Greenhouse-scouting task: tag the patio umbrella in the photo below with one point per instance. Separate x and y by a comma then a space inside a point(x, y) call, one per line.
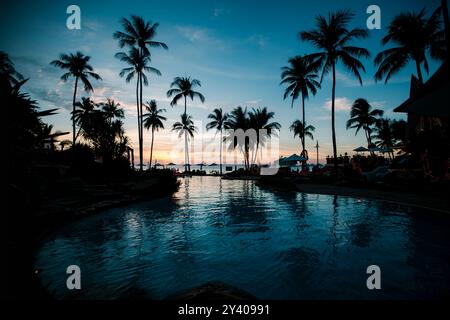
point(213, 164)
point(171, 164)
point(361, 149)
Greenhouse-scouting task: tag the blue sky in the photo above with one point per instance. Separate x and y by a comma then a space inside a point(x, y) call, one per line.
point(235, 48)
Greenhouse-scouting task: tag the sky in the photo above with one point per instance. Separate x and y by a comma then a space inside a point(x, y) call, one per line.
point(235, 48)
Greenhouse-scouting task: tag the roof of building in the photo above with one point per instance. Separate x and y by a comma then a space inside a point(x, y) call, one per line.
point(430, 99)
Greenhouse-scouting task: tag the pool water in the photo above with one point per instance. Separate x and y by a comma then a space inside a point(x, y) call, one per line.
point(272, 244)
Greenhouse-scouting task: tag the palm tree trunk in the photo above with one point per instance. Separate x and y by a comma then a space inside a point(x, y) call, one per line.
point(220, 152)
point(74, 137)
point(138, 113)
point(186, 156)
point(303, 133)
point(333, 129)
point(368, 140)
point(151, 147)
point(419, 72)
point(141, 149)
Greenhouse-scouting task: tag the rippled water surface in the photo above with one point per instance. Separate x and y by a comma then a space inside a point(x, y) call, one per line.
point(274, 245)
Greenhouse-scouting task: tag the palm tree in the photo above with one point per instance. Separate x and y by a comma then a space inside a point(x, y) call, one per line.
point(384, 134)
point(112, 110)
point(259, 120)
point(77, 66)
point(183, 87)
point(219, 121)
point(298, 128)
point(138, 64)
point(140, 33)
point(186, 127)
point(332, 37)
point(7, 69)
point(413, 36)
point(152, 119)
point(301, 78)
point(363, 117)
point(82, 114)
point(238, 120)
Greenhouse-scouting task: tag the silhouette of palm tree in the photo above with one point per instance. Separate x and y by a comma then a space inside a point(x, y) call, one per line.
point(153, 120)
point(82, 114)
point(413, 36)
point(112, 110)
point(219, 121)
point(184, 87)
point(77, 66)
point(8, 71)
point(297, 127)
point(138, 65)
point(301, 78)
point(363, 117)
point(259, 119)
point(332, 37)
point(140, 33)
point(186, 127)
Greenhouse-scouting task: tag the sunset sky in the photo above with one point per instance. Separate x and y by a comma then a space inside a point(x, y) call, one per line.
point(235, 48)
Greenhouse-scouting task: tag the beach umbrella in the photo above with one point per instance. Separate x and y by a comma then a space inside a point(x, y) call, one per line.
point(171, 164)
point(361, 149)
point(213, 164)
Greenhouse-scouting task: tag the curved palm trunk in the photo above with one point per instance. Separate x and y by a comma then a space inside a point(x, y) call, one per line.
point(303, 133)
point(369, 142)
point(74, 135)
point(141, 149)
point(151, 147)
point(138, 114)
point(333, 129)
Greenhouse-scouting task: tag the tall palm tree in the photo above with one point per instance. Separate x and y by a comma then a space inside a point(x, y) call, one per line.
point(260, 120)
point(183, 87)
point(138, 64)
point(219, 121)
point(301, 79)
point(139, 33)
point(153, 120)
point(297, 127)
point(332, 38)
point(363, 117)
point(7, 69)
point(77, 66)
point(414, 36)
point(112, 110)
point(83, 114)
point(186, 127)
point(238, 120)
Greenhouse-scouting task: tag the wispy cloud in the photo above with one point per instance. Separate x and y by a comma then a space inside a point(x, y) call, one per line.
point(340, 104)
point(217, 12)
point(199, 35)
point(258, 39)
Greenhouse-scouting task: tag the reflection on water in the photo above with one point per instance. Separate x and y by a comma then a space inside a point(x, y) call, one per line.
point(275, 245)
